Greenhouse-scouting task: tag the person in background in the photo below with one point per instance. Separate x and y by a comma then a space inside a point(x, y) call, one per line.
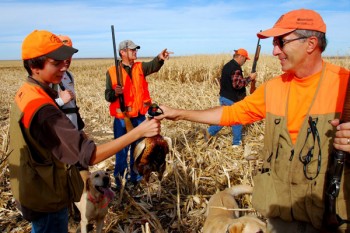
point(232, 89)
point(66, 91)
point(137, 100)
point(301, 108)
point(45, 143)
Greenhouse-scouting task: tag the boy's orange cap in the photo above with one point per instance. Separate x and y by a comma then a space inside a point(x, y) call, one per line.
point(293, 20)
point(242, 52)
point(42, 42)
point(66, 40)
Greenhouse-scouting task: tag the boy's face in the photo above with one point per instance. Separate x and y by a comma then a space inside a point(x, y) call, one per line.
point(51, 73)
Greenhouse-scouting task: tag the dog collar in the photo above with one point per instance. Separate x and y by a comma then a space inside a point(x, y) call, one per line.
point(99, 200)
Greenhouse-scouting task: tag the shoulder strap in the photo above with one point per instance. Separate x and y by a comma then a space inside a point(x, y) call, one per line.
point(70, 76)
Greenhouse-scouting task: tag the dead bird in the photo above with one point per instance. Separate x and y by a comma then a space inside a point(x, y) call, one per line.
point(150, 153)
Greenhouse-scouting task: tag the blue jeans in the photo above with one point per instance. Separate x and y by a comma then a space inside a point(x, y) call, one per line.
point(121, 163)
point(236, 129)
point(56, 222)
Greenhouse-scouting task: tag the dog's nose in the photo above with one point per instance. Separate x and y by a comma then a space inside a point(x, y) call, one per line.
point(106, 181)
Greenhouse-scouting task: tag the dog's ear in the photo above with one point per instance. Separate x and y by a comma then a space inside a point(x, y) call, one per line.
point(236, 228)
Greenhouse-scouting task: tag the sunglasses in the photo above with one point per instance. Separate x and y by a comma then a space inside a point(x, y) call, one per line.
point(282, 42)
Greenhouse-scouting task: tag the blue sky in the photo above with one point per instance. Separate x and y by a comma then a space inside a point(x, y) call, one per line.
point(184, 27)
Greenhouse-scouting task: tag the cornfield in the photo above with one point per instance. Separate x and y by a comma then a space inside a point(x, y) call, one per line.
point(196, 168)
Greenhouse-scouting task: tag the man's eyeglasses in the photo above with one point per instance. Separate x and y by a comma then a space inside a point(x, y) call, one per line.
point(282, 42)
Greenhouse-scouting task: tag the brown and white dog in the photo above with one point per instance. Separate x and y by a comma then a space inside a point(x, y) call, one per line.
point(222, 217)
point(93, 204)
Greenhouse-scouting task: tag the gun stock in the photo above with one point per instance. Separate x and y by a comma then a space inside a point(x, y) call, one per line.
point(336, 159)
point(117, 70)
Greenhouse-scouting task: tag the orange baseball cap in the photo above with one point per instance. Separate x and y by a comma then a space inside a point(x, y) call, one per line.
point(41, 42)
point(293, 20)
point(66, 40)
point(242, 52)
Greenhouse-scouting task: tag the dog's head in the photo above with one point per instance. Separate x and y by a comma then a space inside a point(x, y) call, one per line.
point(99, 183)
point(247, 224)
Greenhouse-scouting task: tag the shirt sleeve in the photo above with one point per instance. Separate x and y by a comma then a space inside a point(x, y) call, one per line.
point(152, 66)
point(55, 132)
point(109, 91)
point(238, 81)
point(250, 109)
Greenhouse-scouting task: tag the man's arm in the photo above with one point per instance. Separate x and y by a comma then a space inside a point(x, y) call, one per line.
point(152, 66)
point(147, 128)
point(252, 108)
point(65, 142)
point(110, 95)
point(210, 116)
point(157, 62)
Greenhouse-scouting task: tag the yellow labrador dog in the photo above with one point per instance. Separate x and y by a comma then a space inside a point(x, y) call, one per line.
point(222, 217)
point(93, 204)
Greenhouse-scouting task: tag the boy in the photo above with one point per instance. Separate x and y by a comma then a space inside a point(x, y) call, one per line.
point(44, 141)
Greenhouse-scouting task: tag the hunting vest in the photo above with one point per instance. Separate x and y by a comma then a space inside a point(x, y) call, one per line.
point(38, 180)
point(292, 179)
point(135, 90)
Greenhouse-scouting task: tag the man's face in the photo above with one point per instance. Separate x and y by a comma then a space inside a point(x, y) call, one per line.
point(240, 59)
point(67, 62)
point(130, 54)
point(243, 59)
point(51, 73)
point(291, 51)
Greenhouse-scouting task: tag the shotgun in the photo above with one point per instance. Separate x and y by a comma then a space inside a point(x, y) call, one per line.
point(117, 67)
point(334, 172)
point(128, 124)
point(255, 62)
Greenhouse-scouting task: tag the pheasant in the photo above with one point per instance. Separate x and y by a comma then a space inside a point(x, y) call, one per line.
point(150, 152)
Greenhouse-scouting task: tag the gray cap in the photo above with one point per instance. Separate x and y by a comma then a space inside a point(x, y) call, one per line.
point(128, 44)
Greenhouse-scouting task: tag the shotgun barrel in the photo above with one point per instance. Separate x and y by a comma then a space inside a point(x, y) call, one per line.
point(256, 56)
point(117, 70)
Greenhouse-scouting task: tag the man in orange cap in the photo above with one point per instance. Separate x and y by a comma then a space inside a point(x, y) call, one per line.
point(45, 144)
point(300, 108)
point(232, 89)
point(66, 91)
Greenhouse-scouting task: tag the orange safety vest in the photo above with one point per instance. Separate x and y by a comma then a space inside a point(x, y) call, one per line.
point(136, 95)
point(29, 99)
point(38, 180)
point(288, 187)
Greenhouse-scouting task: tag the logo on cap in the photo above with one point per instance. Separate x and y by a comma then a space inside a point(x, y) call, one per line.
point(303, 19)
point(42, 42)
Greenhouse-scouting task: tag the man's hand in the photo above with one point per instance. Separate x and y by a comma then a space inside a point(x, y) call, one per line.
point(168, 113)
point(342, 136)
point(66, 96)
point(149, 128)
point(164, 55)
point(118, 90)
point(253, 76)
